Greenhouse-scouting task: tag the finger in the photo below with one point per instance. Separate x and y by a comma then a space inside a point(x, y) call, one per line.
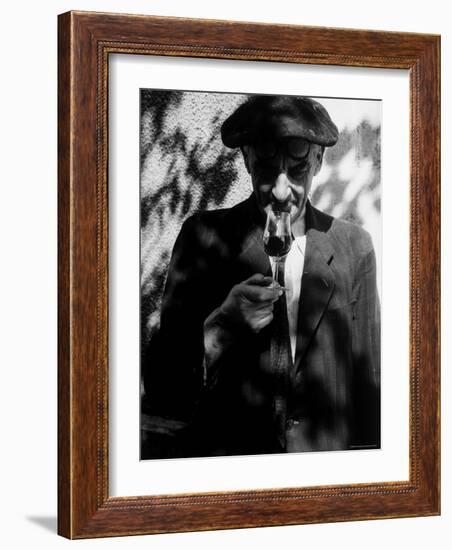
point(261, 294)
point(262, 307)
point(263, 322)
point(259, 279)
point(277, 286)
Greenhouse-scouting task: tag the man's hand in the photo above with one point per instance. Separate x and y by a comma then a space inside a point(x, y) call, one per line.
point(250, 303)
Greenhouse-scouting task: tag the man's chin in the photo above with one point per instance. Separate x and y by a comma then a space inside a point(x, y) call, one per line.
point(297, 213)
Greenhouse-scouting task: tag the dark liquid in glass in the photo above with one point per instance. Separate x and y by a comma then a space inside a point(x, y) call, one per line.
point(277, 246)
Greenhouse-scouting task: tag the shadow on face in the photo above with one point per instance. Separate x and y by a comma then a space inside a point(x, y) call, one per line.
point(279, 176)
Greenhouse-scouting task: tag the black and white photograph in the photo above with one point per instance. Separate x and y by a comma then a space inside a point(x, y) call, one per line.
point(260, 274)
point(225, 228)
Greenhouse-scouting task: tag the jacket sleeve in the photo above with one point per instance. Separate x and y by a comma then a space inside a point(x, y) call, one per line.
point(366, 355)
point(173, 369)
point(185, 357)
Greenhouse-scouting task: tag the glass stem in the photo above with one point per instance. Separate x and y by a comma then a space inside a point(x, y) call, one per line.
point(276, 270)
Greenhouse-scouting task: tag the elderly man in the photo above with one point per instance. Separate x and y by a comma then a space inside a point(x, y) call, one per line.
point(243, 365)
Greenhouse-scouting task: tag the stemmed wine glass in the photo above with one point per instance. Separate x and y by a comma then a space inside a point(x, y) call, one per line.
point(277, 238)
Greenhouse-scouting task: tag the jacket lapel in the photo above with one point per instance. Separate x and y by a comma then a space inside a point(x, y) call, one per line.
point(317, 286)
point(252, 255)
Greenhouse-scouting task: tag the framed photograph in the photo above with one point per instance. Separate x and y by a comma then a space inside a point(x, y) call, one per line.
point(248, 275)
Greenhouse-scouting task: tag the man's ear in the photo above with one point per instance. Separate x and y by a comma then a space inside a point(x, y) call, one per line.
point(246, 159)
point(319, 160)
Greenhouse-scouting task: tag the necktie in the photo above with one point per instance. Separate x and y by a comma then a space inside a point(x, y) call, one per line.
point(281, 360)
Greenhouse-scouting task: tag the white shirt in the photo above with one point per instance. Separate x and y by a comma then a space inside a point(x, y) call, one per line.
point(293, 272)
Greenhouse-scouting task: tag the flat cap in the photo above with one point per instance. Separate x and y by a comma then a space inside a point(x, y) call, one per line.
point(264, 116)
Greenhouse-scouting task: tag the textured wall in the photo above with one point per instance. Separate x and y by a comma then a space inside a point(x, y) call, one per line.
point(186, 168)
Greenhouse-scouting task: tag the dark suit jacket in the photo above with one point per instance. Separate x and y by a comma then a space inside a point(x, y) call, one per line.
point(334, 383)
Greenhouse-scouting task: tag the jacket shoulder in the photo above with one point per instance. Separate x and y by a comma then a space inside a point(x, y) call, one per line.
point(218, 231)
point(353, 236)
point(231, 217)
point(345, 233)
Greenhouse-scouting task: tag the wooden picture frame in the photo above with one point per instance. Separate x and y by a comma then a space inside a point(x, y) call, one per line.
point(85, 42)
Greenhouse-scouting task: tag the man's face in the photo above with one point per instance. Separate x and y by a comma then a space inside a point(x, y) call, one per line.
point(282, 171)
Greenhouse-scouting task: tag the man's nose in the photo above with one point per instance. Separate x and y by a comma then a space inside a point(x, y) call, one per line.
point(281, 189)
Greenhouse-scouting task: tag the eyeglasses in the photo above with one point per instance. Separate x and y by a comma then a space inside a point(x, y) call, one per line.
point(295, 148)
